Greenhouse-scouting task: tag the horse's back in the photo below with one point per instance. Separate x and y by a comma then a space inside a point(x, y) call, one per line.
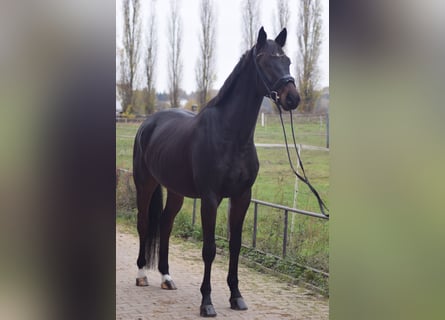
point(169, 114)
point(164, 142)
point(169, 119)
point(163, 117)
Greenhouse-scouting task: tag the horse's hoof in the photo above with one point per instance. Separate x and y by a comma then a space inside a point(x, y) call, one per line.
point(207, 311)
point(238, 304)
point(142, 282)
point(168, 285)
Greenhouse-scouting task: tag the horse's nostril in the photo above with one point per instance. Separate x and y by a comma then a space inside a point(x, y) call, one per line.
point(292, 101)
point(289, 100)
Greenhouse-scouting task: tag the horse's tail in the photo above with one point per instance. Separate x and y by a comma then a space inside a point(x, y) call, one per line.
point(154, 219)
point(139, 169)
point(140, 175)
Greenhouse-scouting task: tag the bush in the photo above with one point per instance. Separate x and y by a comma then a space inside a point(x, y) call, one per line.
point(125, 190)
point(183, 227)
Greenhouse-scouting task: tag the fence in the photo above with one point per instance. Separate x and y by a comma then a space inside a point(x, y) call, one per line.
point(316, 126)
point(269, 238)
point(136, 119)
point(285, 229)
point(272, 233)
point(317, 135)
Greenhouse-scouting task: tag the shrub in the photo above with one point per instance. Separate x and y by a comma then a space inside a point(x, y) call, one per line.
point(125, 190)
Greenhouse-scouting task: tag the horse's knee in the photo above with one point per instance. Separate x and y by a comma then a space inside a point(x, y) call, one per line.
point(208, 252)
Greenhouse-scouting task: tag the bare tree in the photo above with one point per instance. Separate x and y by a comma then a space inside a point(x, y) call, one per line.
point(205, 66)
point(283, 15)
point(130, 53)
point(309, 43)
point(251, 22)
point(150, 60)
point(175, 62)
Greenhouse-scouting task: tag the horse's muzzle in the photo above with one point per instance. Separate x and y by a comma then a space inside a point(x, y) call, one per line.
point(292, 101)
point(289, 98)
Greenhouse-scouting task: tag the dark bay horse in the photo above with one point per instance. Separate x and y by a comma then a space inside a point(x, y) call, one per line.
point(210, 156)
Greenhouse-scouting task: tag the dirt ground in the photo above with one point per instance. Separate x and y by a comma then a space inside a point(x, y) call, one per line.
point(265, 295)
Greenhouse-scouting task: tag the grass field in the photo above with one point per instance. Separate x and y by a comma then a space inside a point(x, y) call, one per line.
point(308, 238)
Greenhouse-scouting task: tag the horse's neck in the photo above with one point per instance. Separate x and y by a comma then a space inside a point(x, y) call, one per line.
point(240, 111)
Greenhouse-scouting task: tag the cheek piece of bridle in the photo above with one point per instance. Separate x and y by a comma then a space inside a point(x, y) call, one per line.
point(272, 93)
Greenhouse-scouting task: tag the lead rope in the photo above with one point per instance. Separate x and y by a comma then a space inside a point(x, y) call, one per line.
point(303, 178)
point(272, 94)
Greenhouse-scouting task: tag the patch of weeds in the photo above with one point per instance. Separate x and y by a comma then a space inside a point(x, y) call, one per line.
point(183, 228)
point(126, 217)
point(288, 267)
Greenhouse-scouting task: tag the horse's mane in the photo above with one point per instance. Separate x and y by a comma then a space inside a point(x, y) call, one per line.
point(230, 81)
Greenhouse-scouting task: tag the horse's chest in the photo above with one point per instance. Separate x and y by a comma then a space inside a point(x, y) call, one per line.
point(240, 173)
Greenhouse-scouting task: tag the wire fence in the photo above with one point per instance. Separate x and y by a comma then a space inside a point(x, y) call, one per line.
point(279, 233)
point(311, 129)
point(273, 229)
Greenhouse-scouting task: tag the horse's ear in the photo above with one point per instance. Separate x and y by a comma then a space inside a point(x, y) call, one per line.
point(281, 38)
point(262, 37)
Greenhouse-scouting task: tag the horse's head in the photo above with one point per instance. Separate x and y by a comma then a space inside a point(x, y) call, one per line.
point(272, 66)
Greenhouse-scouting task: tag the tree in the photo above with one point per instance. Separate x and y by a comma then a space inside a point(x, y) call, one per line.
point(283, 15)
point(205, 66)
point(175, 62)
point(251, 22)
point(309, 43)
point(130, 53)
point(150, 60)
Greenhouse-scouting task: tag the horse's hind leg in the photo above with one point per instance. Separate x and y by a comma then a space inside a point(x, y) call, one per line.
point(172, 207)
point(144, 192)
point(238, 209)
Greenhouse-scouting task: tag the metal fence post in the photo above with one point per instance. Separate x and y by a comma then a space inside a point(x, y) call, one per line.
point(327, 129)
point(255, 218)
point(228, 219)
point(194, 212)
point(285, 233)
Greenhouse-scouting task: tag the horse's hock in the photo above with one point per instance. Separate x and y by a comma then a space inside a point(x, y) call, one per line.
point(267, 297)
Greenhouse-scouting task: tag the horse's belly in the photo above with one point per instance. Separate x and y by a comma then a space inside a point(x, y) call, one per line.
point(175, 174)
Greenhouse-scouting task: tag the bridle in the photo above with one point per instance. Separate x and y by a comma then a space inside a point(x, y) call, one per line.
point(272, 93)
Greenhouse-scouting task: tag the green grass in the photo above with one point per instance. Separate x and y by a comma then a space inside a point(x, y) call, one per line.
point(307, 239)
point(310, 131)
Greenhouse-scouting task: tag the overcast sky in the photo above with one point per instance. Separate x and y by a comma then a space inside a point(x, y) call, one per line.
point(228, 38)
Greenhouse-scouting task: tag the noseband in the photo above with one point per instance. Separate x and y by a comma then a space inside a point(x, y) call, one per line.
point(272, 91)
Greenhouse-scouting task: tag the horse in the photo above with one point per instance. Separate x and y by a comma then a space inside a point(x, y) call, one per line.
point(209, 155)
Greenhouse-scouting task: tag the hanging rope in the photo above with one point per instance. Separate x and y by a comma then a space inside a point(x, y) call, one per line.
point(272, 93)
point(303, 177)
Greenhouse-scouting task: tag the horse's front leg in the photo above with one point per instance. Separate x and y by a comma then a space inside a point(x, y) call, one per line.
point(209, 207)
point(172, 207)
point(238, 209)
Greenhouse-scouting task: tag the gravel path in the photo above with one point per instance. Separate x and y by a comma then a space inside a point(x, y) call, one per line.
point(267, 297)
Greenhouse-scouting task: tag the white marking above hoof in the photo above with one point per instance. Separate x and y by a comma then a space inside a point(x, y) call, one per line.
point(141, 273)
point(167, 282)
point(166, 277)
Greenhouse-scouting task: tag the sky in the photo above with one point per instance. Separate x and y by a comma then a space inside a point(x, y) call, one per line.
point(228, 38)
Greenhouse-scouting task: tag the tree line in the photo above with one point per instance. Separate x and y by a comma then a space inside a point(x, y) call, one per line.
point(133, 56)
